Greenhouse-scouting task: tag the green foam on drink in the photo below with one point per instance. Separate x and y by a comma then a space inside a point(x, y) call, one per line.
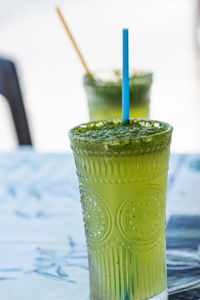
point(136, 135)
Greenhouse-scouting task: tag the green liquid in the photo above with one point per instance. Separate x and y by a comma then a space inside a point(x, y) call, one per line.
point(114, 112)
point(104, 95)
point(122, 172)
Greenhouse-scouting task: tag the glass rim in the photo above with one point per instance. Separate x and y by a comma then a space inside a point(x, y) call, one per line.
point(168, 130)
point(127, 146)
point(138, 77)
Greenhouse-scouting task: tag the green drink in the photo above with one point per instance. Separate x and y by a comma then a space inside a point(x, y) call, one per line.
point(104, 94)
point(122, 172)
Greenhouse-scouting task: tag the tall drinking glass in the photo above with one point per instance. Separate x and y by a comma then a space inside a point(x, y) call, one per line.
point(104, 94)
point(122, 172)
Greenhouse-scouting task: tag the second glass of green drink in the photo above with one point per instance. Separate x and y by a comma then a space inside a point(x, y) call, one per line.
point(122, 172)
point(104, 93)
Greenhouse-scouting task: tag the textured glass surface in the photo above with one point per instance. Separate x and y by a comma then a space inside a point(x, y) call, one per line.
point(123, 203)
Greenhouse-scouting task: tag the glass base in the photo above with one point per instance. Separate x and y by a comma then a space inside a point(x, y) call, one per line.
point(162, 296)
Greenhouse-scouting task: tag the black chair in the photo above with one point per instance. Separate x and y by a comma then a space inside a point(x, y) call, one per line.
point(10, 89)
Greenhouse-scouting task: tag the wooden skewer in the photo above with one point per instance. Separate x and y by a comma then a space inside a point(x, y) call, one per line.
point(73, 42)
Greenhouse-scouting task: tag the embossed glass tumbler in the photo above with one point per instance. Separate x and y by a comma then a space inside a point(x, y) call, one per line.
point(122, 172)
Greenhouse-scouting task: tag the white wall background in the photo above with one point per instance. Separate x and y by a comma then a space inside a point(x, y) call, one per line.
point(162, 39)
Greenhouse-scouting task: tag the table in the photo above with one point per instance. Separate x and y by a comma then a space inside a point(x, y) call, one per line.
point(42, 248)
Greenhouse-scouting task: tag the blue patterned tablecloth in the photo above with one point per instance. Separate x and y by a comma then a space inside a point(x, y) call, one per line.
point(42, 247)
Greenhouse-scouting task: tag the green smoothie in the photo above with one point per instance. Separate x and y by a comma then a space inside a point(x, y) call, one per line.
point(104, 94)
point(122, 172)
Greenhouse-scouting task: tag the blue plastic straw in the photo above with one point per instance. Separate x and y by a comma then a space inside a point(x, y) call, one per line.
point(125, 78)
